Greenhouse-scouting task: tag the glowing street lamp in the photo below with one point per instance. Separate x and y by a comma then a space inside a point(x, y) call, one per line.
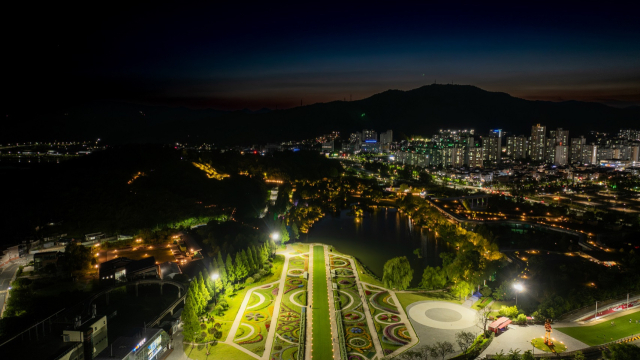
point(519, 288)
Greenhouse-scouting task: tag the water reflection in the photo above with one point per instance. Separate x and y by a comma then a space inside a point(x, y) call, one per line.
point(378, 237)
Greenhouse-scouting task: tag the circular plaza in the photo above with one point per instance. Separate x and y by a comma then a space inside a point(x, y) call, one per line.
point(442, 315)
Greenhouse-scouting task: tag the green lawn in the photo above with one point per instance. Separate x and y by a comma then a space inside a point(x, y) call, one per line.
point(322, 347)
point(407, 299)
point(217, 351)
point(481, 303)
point(604, 332)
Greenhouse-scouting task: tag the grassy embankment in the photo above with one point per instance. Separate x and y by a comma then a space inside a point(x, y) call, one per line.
point(322, 347)
point(604, 332)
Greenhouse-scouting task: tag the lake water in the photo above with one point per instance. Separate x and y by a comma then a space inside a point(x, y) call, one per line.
point(378, 237)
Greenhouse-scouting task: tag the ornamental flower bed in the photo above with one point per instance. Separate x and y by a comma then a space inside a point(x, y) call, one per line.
point(377, 299)
point(274, 292)
point(389, 334)
point(252, 341)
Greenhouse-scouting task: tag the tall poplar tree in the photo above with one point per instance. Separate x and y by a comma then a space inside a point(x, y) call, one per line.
point(240, 267)
point(250, 262)
point(231, 271)
point(190, 327)
point(204, 293)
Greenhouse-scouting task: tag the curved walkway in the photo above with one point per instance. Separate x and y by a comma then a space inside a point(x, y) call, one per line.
point(443, 315)
point(248, 335)
point(262, 299)
point(346, 307)
point(293, 300)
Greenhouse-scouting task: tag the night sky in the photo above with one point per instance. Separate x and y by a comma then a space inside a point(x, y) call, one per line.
point(275, 55)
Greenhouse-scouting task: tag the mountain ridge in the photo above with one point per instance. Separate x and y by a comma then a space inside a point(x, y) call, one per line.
point(420, 111)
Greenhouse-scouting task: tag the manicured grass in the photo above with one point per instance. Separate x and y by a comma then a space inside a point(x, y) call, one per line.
point(364, 277)
point(407, 299)
point(558, 347)
point(481, 303)
point(217, 351)
point(303, 248)
point(322, 347)
point(604, 332)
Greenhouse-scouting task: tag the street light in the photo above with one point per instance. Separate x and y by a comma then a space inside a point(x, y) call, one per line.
point(519, 288)
point(214, 277)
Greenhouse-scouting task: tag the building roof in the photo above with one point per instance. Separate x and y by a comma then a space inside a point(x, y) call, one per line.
point(115, 264)
point(141, 265)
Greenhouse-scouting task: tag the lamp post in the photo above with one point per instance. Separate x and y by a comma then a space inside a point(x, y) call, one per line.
point(518, 288)
point(214, 277)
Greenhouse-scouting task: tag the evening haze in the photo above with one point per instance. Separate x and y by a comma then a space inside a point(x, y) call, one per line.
point(279, 56)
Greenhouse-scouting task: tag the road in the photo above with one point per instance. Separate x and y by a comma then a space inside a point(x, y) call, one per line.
point(6, 274)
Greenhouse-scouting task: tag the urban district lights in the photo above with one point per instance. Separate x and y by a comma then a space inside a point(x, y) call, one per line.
point(519, 288)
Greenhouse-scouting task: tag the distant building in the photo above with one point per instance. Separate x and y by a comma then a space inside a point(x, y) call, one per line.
point(94, 236)
point(146, 344)
point(517, 147)
point(369, 136)
point(328, 147)
point(42, 259)
point(577, 145)
point(91, 338)
point(537, 144)
point(124, 269)
point(492, 147)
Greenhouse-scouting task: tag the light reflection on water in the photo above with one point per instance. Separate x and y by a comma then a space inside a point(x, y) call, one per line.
point(378, 237)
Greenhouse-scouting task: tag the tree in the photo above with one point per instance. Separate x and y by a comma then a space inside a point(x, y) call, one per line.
point(464, 340)
point(578, 356)
point(240, 266)
point(77, 257)
point(486, 291)
point(441, 349)
point(509, 311)
point(295, 231)
point(528, 355)
point(202, 289)
point(195, 298)
point(252, 266)
point(418, 253)
point(397, 273)
point(190, 322)
point(284, 233)
point(433, 278)
point(483, 316)
point(622, 351)
point(462, 289)
point(514, 354)
point(231, 271)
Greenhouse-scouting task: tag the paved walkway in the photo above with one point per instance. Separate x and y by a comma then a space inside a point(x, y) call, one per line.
point(332, 306)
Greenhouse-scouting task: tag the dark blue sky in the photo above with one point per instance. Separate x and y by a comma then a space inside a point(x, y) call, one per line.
point(275, 55)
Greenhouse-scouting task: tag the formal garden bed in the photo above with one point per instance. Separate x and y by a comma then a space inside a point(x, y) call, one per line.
point(393, 334)
point(256, 320)
point(286, 339)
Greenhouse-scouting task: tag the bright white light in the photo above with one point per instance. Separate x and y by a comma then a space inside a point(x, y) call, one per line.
point(518, 287)
point(275, 236)
point(214, 277)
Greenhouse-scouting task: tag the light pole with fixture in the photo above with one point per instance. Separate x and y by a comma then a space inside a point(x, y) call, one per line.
point(518, 288)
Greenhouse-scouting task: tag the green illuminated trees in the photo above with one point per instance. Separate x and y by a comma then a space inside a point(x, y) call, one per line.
point(397, 273)
point(433, 278)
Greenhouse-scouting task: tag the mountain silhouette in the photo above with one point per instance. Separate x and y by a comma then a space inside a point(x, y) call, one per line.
point(422, 111)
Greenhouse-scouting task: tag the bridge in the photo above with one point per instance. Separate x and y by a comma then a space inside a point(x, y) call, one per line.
point(181, 288)
point(169, 309)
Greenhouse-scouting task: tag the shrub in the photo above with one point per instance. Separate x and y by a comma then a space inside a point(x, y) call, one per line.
point(257, 276)
point(277, 347)
point(211, 331)
point(217, 335)
point(203, 326)
point(522, 319)
point(217, 326)
point(263, 272)
point(249, 280)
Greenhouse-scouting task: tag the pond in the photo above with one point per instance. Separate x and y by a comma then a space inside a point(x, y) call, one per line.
point(377, 237)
